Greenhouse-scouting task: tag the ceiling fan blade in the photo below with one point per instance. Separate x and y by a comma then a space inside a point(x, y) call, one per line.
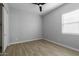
point(40, 8)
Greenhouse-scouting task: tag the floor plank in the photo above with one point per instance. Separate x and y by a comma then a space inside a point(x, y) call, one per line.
point(39, 48)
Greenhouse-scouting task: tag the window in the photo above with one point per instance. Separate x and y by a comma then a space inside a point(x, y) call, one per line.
point(70, 22)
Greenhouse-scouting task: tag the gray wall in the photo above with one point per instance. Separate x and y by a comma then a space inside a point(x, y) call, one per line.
point(24, 26)
point(52, 27)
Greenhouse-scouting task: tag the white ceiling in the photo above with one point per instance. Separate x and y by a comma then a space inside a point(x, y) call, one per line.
point(29, 7)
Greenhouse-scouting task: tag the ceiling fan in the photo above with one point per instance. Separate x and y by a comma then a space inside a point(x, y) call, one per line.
point(40, 5)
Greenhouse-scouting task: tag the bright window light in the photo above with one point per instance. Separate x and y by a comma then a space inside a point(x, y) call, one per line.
point(70, 22)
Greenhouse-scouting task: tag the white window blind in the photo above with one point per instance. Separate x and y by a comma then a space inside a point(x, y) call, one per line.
point(70, 22)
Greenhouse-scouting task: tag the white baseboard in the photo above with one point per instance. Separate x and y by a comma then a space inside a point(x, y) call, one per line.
point(66, 46)
point(23, 41)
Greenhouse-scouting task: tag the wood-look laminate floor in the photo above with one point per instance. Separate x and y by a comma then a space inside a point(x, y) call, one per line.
point(39, 48)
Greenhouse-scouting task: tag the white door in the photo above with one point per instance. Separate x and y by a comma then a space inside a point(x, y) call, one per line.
point(5, 28)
